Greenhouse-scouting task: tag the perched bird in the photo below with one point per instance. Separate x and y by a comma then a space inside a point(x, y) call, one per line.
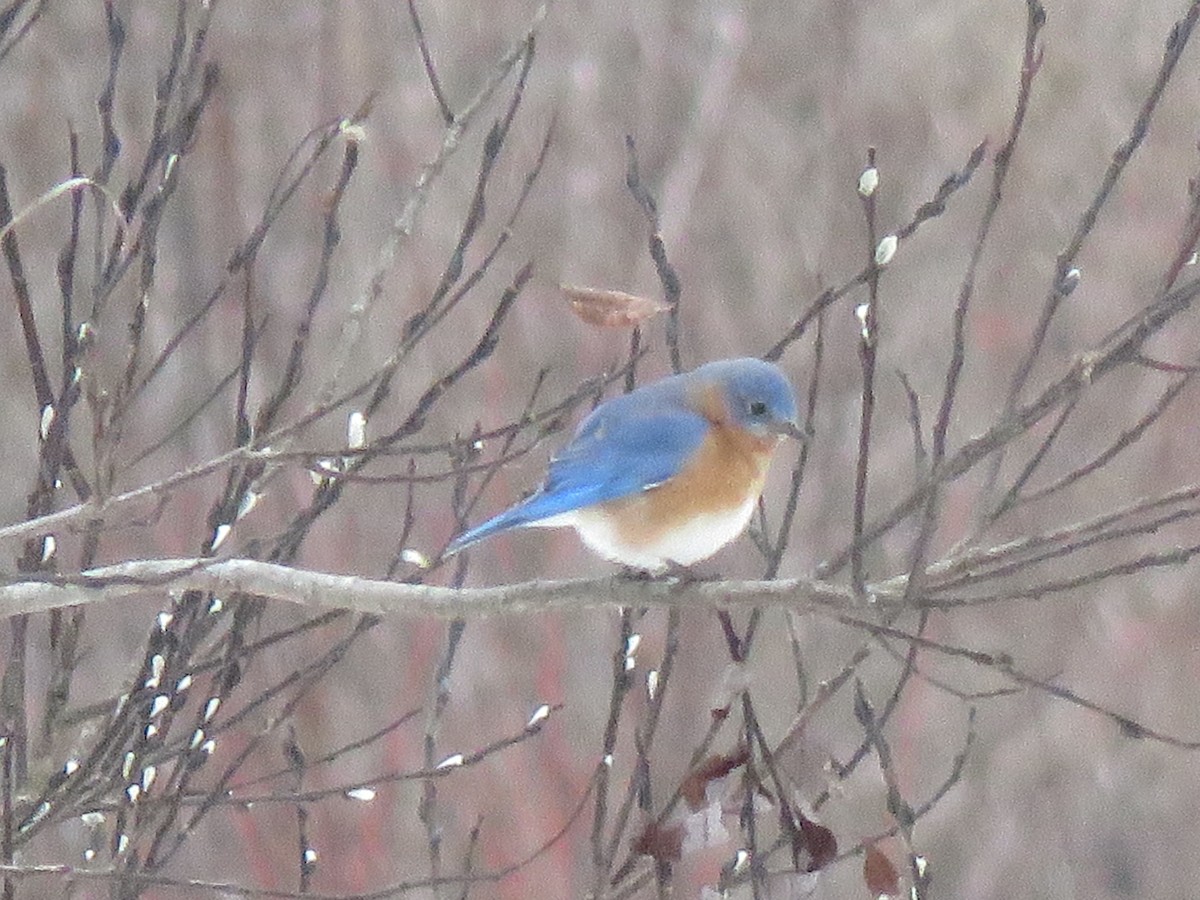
point(665, 475)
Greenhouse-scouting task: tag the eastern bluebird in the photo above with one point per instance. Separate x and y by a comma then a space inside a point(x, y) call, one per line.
point(668, 474)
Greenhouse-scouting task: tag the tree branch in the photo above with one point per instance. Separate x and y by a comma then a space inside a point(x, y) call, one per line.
point(323, 590)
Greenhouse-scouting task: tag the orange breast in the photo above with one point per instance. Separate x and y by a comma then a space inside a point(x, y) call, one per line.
point(729, 468)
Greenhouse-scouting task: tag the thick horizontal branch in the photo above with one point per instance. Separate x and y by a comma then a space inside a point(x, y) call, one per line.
point(228, 577)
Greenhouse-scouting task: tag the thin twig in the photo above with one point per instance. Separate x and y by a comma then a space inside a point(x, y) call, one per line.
point(868, 338)
point(435, 83)
point(667, 276)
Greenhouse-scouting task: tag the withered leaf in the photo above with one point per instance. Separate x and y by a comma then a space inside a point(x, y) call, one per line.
point(662, 842)
point(611, 309)
point(709, 769)
point(879, 873)
point(817, 840)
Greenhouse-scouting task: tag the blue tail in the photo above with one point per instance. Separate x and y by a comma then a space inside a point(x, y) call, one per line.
point(503, 522)
point(539, 506)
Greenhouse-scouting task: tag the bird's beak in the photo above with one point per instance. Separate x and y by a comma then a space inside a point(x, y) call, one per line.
point(792, 429)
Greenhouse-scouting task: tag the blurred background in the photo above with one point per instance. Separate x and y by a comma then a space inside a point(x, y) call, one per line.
point(752, 123)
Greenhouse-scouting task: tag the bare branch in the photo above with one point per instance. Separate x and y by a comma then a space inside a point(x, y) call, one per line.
point(321, 591)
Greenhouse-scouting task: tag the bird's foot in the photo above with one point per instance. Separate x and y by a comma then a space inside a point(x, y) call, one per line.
point(684, 574)
point(673, 572)
point(634, 573)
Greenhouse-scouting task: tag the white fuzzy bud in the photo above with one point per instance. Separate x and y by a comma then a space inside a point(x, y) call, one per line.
point(48, 415)
point(356, 431)
point(886, 249)
point(539, 715)
point(868, 181)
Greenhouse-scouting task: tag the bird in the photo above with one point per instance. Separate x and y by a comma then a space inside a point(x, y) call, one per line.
point(666, 475)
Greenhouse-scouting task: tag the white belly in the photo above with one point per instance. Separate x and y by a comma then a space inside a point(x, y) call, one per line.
point(698, 539)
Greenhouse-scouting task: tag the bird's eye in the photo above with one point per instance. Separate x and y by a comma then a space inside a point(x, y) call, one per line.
point(758, 408)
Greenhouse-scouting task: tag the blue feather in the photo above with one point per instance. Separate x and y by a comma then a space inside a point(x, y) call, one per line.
point(639, 440)
point(624, 447)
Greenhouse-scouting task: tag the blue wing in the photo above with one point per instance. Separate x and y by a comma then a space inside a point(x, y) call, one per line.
point(625, 446)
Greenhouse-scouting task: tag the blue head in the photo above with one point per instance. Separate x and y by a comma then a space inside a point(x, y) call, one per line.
point(758, 397)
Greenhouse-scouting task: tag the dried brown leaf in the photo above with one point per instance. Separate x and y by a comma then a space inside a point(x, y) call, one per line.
point(662, 842)
point(879, 874)
point(709, 769)
point(817, 840)
point(611, 309)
